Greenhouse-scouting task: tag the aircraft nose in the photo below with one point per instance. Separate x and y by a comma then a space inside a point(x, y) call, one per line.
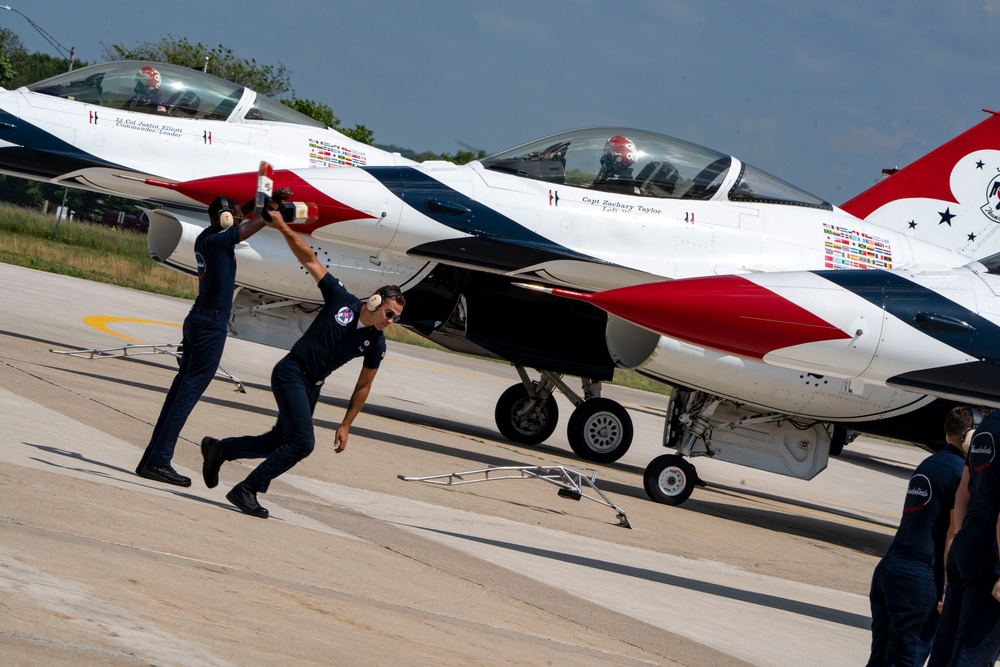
point(726, 313)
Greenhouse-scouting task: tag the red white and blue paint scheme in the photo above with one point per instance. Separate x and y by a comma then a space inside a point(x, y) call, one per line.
point(585, 211)
point(934, 332)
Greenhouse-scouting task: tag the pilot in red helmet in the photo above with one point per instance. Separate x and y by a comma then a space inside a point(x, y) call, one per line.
point(616, 167)
point(619, 153)
point(147, 95)
point(149, 78)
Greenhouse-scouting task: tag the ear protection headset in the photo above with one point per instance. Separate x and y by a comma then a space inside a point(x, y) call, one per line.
point(977, 418)
point(225, 211)
point(376, 299)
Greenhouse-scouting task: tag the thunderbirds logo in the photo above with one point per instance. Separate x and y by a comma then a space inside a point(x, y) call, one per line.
point(345, 316)
point(992, 207)
point(918, 494)
point(981, 452)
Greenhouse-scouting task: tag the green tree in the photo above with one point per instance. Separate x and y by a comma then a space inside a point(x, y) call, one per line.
point(24, 67)
point(6, 70)
point(324, 114)
point(461, 157)
point(39, 66)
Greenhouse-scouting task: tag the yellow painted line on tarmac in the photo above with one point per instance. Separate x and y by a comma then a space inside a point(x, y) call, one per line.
point(102, 322)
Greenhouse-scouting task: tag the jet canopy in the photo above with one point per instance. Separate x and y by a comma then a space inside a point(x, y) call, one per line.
point(164, 89)
point(641, 163)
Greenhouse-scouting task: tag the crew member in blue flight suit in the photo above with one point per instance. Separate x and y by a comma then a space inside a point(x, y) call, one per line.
point(968, 633)
point(909, 580)
point(204, 333)
point(344, 328)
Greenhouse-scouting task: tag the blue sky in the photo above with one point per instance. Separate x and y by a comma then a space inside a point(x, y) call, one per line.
point(824, 95)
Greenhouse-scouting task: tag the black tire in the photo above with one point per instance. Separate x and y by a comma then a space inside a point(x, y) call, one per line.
point(600, 430)
point(531, 429)
point(838, 439)
point(669, 479)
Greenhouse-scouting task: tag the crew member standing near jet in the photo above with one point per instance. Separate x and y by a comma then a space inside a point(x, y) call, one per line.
point(968, 633)
point(344, 328)
point(204, 332)
point(909, 580)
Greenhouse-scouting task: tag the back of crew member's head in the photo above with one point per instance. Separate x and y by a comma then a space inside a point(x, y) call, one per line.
point(959, 426)
point(224, 212)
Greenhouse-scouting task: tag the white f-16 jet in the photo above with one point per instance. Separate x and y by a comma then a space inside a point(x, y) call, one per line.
point(581, 212)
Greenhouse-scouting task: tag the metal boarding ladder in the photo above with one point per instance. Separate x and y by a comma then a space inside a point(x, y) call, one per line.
point(135, 349)
point(570, 482)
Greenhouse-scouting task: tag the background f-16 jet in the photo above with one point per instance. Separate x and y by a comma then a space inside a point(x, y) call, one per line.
point(779, 320)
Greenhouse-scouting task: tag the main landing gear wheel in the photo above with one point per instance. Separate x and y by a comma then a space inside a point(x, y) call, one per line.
point(523, 419)
point(669, 479)
point(600, 430)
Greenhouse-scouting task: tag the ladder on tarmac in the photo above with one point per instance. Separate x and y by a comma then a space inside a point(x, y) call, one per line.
point(571, 483)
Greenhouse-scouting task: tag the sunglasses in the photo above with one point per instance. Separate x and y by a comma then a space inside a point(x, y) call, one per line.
point(390, 315)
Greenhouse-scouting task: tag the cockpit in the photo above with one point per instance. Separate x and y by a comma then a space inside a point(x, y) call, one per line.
point(170, 90)
point(641, 163)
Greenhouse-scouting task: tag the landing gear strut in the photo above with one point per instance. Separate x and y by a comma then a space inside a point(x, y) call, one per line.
point(670, 479)
point(527, 414)
point(599, 429)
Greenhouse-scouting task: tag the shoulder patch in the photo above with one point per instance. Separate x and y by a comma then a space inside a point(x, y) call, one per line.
point(345, 316)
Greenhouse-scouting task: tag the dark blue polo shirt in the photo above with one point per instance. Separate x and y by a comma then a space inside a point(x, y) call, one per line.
point(216, 268)
point(930, 497)
point(334, 338)
point(984, 472)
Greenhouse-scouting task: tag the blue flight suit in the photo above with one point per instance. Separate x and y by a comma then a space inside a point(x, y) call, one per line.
point(331, 340)
point(969, 630)
point(204, 337)
point(908, 581)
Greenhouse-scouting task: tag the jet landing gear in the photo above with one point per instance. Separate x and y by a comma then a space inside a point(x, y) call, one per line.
point(599, 430)
point(670, 479)
point(527, 413)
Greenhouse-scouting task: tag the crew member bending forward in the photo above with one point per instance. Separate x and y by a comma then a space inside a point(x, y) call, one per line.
point(345, 328)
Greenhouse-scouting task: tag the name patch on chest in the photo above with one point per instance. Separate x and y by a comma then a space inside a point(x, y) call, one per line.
point(345, 316)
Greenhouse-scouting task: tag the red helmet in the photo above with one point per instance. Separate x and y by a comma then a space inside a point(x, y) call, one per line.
point(619, 152)
point(148, 77)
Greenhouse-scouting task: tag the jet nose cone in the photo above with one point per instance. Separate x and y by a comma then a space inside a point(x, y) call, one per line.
point(730, 314)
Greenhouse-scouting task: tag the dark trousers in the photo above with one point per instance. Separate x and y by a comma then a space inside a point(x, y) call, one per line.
point(968, 633)
point(904, 598)
point(292, 438)
point(202, 345)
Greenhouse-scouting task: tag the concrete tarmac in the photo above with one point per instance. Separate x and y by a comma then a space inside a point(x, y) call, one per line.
point(355, 566)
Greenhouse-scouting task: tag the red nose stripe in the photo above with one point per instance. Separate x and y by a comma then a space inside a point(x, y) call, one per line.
point(242, 187)
point(725, 313)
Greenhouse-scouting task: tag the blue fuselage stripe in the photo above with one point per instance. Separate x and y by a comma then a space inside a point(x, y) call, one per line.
point(510, 242)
